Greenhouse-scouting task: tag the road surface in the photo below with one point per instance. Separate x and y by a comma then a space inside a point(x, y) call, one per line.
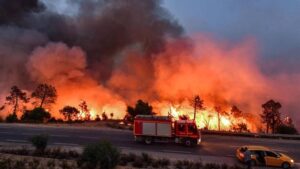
point(217, 146)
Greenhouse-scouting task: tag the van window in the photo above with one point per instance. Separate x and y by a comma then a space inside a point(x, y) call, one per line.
point(271, 154)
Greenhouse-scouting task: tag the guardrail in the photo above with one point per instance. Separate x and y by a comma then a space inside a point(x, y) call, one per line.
point(254, 135)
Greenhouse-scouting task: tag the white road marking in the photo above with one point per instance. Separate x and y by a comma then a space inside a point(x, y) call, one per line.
point(67, 144)
point(36, 129)
point(125, 147)
point(181, 152)
point(6, 133)
point(29, 134)
point(86, 137)
point(54, 135)
point(17, 141)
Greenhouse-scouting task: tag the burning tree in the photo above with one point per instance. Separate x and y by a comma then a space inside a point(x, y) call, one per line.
point(206, 121)
point(184, 117)
point(46, 93)
point(69, 112)
point(197, 104)
point(16, 97)
point(85, 112)
point(236, 112)
point(220, 113)
point(141, 108)
point(271, 115)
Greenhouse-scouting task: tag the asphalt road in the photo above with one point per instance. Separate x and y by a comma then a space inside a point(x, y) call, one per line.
point(221, 146)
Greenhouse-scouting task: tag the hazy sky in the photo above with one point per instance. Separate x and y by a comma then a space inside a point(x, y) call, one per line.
point(275, 24)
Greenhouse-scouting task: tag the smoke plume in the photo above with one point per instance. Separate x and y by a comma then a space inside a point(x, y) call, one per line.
point(111, 53)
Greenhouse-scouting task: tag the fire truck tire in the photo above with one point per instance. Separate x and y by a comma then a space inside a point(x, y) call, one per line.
point(188, 142)
point(148, 140)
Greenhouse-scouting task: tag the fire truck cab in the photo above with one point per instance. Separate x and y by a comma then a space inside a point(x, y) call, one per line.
point(149, 129)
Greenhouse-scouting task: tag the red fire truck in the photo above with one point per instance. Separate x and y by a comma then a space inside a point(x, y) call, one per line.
point(150, 129)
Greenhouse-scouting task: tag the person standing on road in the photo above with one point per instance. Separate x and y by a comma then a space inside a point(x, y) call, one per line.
point(247, 158)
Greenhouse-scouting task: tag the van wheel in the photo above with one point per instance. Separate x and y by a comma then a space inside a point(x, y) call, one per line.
point(286, 165)
point(148, 140)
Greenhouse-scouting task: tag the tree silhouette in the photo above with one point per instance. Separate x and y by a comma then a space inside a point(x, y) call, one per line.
point(47, 94)
point(16, 97)
point(104, 116)
point(197, 104)
point(206, 121)
point(184, 117)
point(2, 107)
point(69, 112)
point(111, 115)
point(242, 127)
point(218, 109)
point(37, 115)
point(220, 112)
point(235, 111)
point(141, 108)
point(271, 115)
point(85, 110)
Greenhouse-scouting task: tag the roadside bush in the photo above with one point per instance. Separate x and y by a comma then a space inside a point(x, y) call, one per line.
point(161, 163)
point(51, 164)
point(286, 129)
point(6, 163)
point(40, 143)
point(37, 115)
point(34, 164)
point(23, 151)
point(147, 159)
point(57, 153)
point(185, 164)
point(65, 165)
point(99, 155)
point(123, 161)
point(19, 165)
point(131, 157)
point(12, 118)
point(224, 166)
point(212, 166)
point(138, 162)
point(236, 167)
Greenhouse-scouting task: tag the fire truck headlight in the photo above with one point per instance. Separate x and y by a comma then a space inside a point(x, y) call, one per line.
point(199, 141)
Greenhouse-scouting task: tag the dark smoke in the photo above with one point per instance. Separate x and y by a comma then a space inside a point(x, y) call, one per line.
point(104, 28)
point(12, 11)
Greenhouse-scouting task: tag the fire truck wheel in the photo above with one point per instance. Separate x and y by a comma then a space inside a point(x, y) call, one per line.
point(188, 142)
point(148, 140)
